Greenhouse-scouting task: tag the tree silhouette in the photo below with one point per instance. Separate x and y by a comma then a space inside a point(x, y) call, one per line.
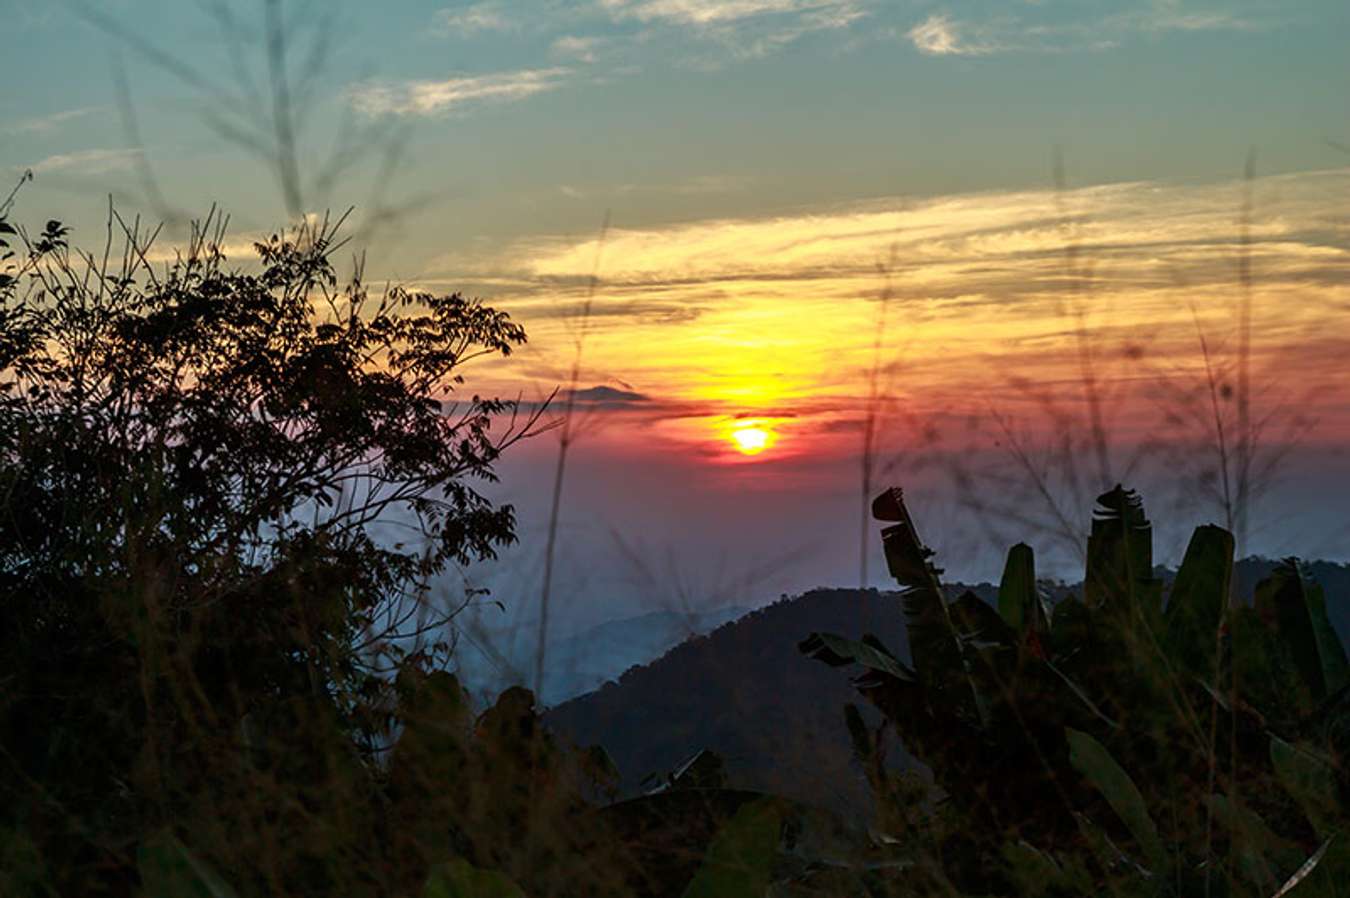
point(197, 602)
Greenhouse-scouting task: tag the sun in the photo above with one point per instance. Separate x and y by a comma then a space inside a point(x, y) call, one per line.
point(751, 439)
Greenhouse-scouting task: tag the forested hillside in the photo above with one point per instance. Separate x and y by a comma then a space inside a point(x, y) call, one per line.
point(745, 692)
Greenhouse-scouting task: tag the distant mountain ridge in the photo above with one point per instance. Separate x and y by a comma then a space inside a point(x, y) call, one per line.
point(776, 717)
point(744, 691)
point(585, 661)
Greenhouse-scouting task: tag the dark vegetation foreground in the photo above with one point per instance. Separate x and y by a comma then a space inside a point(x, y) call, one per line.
point(220, 678)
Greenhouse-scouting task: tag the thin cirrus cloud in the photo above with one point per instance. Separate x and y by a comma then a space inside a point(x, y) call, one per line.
point(87, 162)
point(716, 29)
point(939, 35)
point(582, 49)
point(432, 98)
point(746, 29)
point(477, 17)
point(944, 34)
point(1142, 234)
point(48, 123)
point(714, 12)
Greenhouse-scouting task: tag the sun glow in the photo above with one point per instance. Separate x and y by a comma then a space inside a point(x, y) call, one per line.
point(752, 438)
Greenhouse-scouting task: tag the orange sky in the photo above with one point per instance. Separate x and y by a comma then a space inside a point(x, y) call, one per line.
point(704, 324)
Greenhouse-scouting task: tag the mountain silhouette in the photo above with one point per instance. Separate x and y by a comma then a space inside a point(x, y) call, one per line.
point(775, 717)
point(745, 692)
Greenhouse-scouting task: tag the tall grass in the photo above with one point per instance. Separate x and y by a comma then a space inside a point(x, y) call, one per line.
point(567, 433)
point(258, 97)
point(1212, 446)
point(873, 410)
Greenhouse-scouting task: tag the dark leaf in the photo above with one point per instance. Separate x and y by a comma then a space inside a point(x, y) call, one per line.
point(1199, 596)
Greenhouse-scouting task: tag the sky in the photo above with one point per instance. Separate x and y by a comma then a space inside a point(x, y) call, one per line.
point(763, 229)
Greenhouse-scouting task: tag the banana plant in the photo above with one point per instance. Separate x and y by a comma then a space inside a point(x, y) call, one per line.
point(1183, 747)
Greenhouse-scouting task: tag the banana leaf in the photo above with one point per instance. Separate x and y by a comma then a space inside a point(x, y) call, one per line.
point(1119, 573)
point(741, 857)
point(979, 624)
point(169, 870)
point(1034, 872)
point(864, 743)
point(1310, 779)
point(989, 647)
point(460, 879)
point(1267, 674)
point(1072, 629)
point(1260, 851)
point(837, 651)
point(1299, 611)
point(934, 643)
point(1020, 603)
point(1090, 758)
point(1196, 605)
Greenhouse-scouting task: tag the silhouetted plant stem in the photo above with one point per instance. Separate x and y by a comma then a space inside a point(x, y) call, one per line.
point(1077, 279)
point(1244, 442)
point(9, 200)
point(870, 423)
point(559, 471)
point(566, 434)
point(283, 119)
point(1221, 450)
point(264, 113)
point(1244, 446)
point(1220, 432)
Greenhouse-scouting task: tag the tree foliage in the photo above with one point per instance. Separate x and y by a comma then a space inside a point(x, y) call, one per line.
point(199, 468)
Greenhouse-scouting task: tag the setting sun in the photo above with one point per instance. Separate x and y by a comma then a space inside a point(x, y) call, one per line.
point(751, 439)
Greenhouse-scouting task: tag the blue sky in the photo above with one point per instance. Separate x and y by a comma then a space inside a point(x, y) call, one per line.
point(535, 116)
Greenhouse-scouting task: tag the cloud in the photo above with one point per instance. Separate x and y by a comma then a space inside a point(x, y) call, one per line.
point(487, 16)
point(430, 98)
point(747, 29)
point(698, 185)
point(47, 123)
point(87, 162)
point(601, 395)
point(710, 12)
point(599, 398)
point(239, 248)
point(582, 49)
point(1170, 17)
point(942, 34)
point(939, 35)
point(961, 245)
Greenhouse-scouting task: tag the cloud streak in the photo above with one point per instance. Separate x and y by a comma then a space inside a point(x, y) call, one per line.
point(746, 29)
point(715, 12)
point(938, 35)
point(48, 123)
point(87, 162)
point(571, 46)
point(943, 34)
point(435, 98)
point(475, 18)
